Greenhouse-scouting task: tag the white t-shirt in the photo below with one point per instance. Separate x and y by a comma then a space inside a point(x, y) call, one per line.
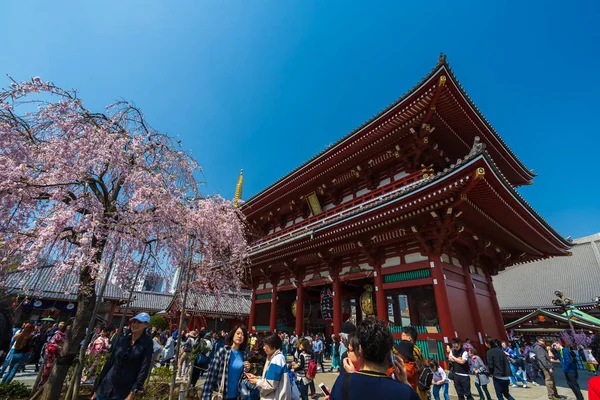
point(439, 375)
point(465, 356)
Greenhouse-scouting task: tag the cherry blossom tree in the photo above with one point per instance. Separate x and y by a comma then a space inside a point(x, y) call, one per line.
point(79, 186)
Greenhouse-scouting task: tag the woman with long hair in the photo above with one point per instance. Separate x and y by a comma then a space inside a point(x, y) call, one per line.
point(226, 369)
point(301, 365)
point(21, 350)
point(275, 383)
point(335, 354)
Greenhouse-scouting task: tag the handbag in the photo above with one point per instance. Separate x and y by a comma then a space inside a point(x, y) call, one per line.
point(219, 395)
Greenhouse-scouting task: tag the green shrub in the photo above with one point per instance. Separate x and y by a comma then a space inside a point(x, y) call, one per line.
point(159, 322)
point(158, 387)
point(13, 390)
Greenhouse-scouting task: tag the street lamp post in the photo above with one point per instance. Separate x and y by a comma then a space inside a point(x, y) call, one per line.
point(566, 304)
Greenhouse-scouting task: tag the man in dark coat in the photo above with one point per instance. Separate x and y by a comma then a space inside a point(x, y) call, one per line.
point(499, 369)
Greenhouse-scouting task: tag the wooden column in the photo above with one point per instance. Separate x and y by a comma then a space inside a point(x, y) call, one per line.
point(497, 312)
point(299, 308)
point(359, 315)
point(252, 313)
point(474, 307)
point(441, 297)
point(273, 317)
point(380, 300)
point(337, 304)
point(111, 312)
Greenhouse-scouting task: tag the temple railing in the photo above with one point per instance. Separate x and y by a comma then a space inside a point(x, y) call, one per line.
point(407, 276)
point(386, 189)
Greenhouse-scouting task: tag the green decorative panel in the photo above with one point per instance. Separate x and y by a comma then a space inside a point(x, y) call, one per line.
point(407, 276)
point(423, 345)
point(419, 329)
point(262, 328)
point(264, 296)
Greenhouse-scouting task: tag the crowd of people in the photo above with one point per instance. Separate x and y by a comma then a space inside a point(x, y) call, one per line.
point(284, 366)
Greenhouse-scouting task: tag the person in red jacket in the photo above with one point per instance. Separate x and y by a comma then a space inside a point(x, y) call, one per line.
point(594, 383)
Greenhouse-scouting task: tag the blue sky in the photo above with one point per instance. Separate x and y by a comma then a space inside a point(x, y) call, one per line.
point(265, 85)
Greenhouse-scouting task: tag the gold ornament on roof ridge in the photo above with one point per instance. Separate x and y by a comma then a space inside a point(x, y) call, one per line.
point(238, 190)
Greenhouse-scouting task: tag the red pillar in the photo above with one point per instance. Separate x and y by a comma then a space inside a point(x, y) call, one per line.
point(299, 308)
point(111, 312)
point(273, 319)
point(337, 305)
point(474, 307)
point(441, 297)
point(359, 316)
point(252, 313)
point(497, 312)
point(380, 300)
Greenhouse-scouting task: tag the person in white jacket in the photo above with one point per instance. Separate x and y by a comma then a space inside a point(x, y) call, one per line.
point(168, 352)
point(275, 382)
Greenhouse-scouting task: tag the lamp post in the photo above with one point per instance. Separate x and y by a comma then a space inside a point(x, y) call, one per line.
point(566, 304)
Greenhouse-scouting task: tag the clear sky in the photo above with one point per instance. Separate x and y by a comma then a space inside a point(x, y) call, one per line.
point(265, 85)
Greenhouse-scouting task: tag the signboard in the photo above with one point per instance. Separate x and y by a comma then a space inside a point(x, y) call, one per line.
point(432, 347)
point(313, 203)
point(327, 304)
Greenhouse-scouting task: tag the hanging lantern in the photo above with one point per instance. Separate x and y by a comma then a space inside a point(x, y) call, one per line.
point(327, 304)
point(366, 301)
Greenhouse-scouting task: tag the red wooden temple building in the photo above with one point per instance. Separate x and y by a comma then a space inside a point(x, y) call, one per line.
point(407, 218)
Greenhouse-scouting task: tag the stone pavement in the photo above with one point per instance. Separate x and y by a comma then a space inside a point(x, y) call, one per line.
point(328, 378)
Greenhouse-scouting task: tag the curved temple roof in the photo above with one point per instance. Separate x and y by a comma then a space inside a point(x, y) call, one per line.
point(532, 285)
point(510, 165)
point(529, 228)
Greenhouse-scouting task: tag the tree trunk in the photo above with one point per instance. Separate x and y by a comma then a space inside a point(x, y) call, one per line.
point(86, 300)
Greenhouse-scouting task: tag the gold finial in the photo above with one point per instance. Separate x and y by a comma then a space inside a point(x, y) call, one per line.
point(238, 189)
point(479, 173)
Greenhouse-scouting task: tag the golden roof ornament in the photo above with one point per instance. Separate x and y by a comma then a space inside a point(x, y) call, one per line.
point(238, 190)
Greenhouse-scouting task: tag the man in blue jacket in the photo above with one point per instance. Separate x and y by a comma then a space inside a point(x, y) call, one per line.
point(569, 367)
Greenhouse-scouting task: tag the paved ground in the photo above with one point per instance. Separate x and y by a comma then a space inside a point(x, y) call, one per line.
point(531, 393)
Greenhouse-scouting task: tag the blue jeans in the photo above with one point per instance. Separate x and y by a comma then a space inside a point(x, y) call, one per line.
point(436, 391)
point(6, 363)
point(516, 376)
point(16, 362)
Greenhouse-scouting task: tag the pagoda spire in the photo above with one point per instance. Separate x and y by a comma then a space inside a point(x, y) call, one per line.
point(238, 189)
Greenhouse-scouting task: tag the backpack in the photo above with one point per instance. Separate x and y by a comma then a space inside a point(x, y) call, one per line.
point(311, 372)
point(425, 379)
point(187, 346)
point(533, 359)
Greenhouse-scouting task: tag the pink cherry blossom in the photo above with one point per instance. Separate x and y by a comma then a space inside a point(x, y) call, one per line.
point(74, 183)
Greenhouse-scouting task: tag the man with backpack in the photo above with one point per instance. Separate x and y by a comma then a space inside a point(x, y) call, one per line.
point(200, 357)
point(187, 345)
point(569, 366)
point(410, 334)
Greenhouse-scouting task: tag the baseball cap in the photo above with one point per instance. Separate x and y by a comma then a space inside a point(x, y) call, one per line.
point(406, 349)
point(142, 317)
point(348, 328)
